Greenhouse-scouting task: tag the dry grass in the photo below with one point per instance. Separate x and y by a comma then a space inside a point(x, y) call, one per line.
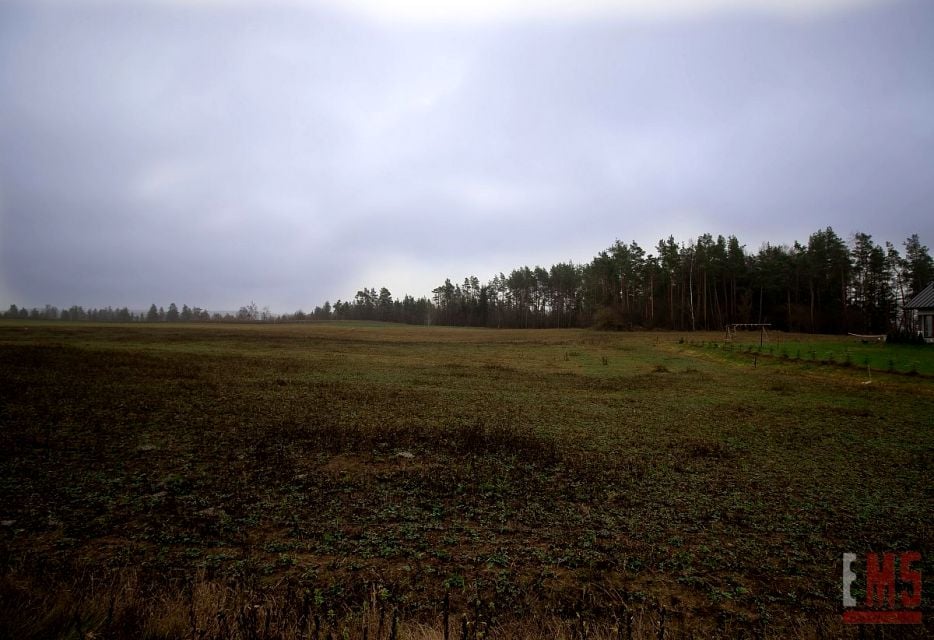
point(203, 609)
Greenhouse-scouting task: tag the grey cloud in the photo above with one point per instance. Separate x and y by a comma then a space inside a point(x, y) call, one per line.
point(286, 155)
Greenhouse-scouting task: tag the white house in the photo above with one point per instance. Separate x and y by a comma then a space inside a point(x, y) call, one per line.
point(923, 303)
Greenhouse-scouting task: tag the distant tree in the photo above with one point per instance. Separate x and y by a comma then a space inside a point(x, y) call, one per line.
point(77, 312)
point(872, 287)
point(384, 304)
point(185, 315)
point(919, 265)
point(172, 314)
point(670, 262)
point(565, 281)
point(364, 301)
point(248, 313)
point(829, 273)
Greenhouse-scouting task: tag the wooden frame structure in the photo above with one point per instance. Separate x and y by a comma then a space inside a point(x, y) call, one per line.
point(866, 339)
point(761, 326)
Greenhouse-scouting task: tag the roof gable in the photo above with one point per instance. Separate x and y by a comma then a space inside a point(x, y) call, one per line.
point(923, 300)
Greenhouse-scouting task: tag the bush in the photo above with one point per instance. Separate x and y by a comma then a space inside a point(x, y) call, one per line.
point(901, 336)
point(608, 319)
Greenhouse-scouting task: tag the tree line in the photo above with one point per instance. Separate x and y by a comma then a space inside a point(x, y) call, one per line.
point(825, 285)
point(124, 314)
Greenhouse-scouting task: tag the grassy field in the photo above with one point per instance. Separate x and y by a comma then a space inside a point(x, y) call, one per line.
point(847, 351)
point(377, 481)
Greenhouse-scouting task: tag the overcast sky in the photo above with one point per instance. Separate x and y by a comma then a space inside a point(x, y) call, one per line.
point(215, 152)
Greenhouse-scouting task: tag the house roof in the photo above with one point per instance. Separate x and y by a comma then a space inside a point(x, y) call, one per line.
point(924, 300)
